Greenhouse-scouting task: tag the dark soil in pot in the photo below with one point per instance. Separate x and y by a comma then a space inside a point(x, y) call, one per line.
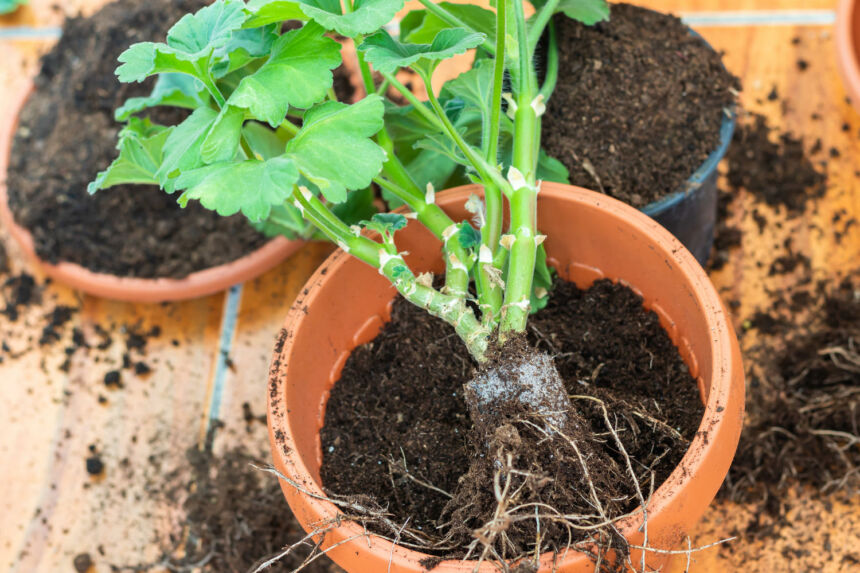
point(67, 134)
point(638, 104)
point(397, 429)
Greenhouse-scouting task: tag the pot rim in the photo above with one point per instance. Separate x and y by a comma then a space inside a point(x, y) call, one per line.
point(725, 365)
point(132, 289)
point(846, 49)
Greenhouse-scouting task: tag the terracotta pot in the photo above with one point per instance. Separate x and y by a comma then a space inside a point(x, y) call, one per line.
point(590, 236)
point(197, 284)
point(848, 48)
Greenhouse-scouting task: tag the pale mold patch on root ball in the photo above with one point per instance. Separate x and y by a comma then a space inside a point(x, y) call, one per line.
point(519, 378)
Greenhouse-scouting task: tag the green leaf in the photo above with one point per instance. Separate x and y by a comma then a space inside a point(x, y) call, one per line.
point(263, 12)
point(589, 12)
point(263, 141)
point(177, 90)
point(209, 28)
point(147, 58)
point(468, 236)
point(298, 73)
point(190, 44)
point(387, 54)
point(334, 149)
point(244, 47)
point(420, 26)
point(474, 88)
point(182, 148)
point(367, 15)
point(406, 126)
point(250, 186)
point(140, 150)
point(357, 207)
point(543, 279)
point(284, 220)
point(222, 141)
point(385, 223)
point(442, 144)
point(551, 169)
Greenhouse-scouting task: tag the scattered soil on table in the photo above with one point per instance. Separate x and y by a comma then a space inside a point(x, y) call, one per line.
point(397, 429)
point(727, 236)
point(235, 517)
point(775, 170)
point(803, 404)
point(28, 309)
point(638, 105)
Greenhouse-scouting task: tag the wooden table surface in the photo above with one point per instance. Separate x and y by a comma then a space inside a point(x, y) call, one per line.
point(50, 509)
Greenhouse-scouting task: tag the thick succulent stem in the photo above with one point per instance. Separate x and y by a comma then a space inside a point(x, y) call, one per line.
point(384, 257)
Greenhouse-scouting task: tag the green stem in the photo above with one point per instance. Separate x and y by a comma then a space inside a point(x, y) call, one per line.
point(492, 194)
point(413, 99)
point(394, 168)
point(523, 254)
point(487, 172)
point(246, 148)
point(521, 266)
point(541, 19)
point(454, 21)
point(498, 82)
point(526, 124)
point(551, 76)
point(212, 88)
point(449, 307)
point(364, 68)
point(366, 76)
point(440, 224)
point(489, 293)
point(289, 127)
point(383, 87)
point(336, 230)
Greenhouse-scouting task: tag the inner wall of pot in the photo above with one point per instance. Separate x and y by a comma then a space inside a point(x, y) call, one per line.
point(855, 31)
point(343, 316)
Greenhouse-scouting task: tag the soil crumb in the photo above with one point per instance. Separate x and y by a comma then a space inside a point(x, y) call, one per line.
point(235, 516)
point(397, 428)
point(774, 169)
point(82, 563)
point(638, 105)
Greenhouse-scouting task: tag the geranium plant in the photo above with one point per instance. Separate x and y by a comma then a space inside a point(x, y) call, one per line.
point(267, 137)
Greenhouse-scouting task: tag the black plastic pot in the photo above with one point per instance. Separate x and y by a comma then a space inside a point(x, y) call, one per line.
point(691, 213)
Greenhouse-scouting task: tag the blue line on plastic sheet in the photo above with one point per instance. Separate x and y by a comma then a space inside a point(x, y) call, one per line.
point(760, 18)
point(30, 33)
point(225, 344)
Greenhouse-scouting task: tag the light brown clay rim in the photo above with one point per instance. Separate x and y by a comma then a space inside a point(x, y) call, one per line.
point(723, 411)
point(847, 28)
point(196, 284)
